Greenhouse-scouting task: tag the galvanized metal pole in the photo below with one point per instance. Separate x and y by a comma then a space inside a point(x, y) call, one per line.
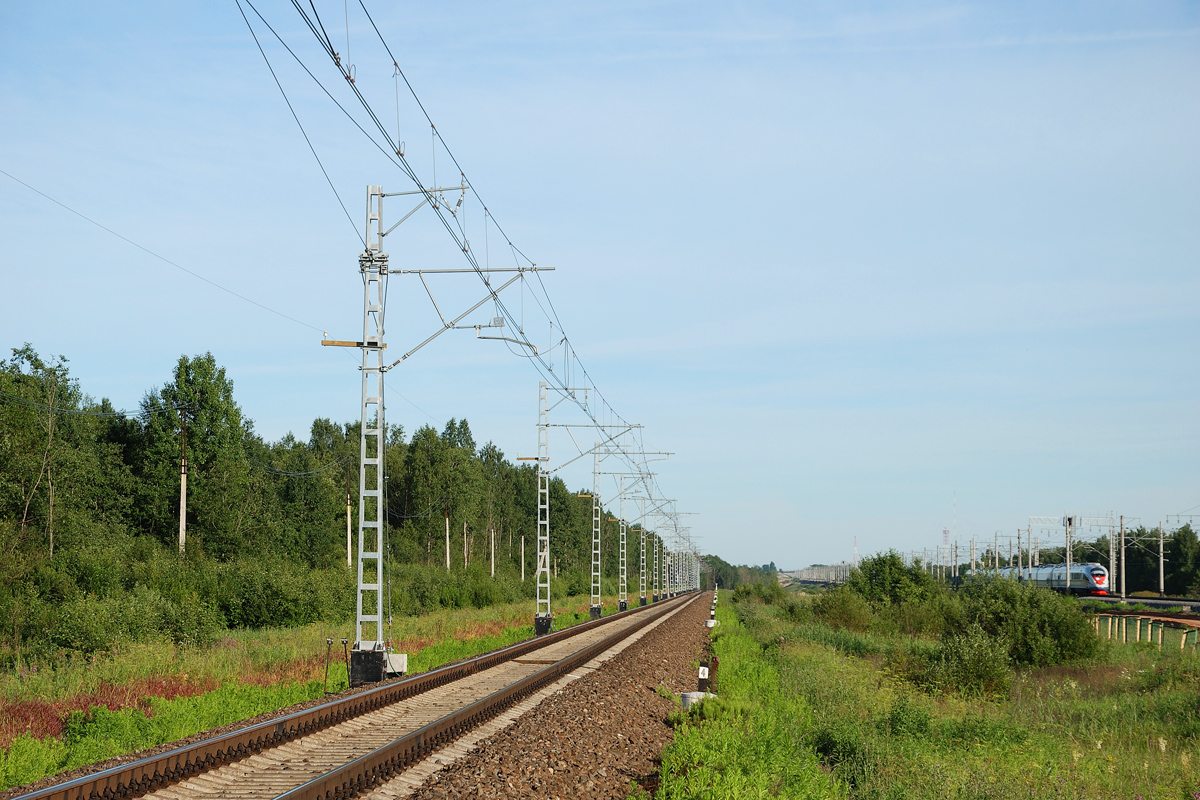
point(1112, 553)
point(596, 521)
point(642, 567)
point(656, 574)
point(1029, 545)
point(1069, 522)
point(1122, 556)
point(367, 662)
point(542, 618)
point(1162, 587)
point(622, 596)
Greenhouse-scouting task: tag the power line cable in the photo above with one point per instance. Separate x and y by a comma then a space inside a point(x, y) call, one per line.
point(163, 259)
point(17, 400)
point(269, 469)
point(304, 133)
point(395, 154)
point(166, 260)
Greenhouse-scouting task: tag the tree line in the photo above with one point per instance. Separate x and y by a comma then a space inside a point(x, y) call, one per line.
point(90, 498)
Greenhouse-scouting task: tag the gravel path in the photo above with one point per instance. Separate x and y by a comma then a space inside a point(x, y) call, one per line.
point(597, 735)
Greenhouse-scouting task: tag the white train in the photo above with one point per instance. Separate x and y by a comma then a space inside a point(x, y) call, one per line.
point(1085, 578)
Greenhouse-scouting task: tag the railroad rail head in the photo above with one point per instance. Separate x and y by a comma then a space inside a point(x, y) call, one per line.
point(370, 770)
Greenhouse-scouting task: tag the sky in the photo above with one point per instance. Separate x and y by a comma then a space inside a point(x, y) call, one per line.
point(868, 271)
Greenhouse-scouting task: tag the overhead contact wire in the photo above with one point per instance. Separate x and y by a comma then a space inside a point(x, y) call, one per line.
point(299, 124)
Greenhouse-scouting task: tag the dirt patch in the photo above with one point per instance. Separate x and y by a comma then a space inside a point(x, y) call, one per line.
point(43, 718)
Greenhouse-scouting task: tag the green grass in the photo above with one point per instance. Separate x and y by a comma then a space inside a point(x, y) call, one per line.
point(1125, 724)
point(284, 667)
point(101, 734)
point(747, 742)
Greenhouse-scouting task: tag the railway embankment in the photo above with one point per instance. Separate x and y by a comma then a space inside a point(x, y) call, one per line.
point(597, 735)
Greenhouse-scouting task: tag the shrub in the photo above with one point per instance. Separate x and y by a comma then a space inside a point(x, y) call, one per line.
point(768, 593)
point(797, 609)
point(885, 579)
point(1040, 626)
point(843, 608)
point(933, 617)
point(906, 718)
point(973, 664)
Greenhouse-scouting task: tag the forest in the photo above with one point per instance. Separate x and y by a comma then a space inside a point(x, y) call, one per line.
point(89, 507)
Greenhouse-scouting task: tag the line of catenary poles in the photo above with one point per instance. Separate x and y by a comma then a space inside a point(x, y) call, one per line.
point(1025, 549)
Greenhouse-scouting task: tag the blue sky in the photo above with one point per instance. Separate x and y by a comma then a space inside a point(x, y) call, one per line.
point(852, 264)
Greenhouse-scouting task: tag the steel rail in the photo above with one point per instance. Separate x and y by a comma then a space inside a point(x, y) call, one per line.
point(370, 770)
point(152, 772)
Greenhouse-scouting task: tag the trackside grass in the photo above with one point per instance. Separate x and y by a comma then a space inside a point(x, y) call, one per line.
point(144, 695)
point(1123, 723)
point(749, 741)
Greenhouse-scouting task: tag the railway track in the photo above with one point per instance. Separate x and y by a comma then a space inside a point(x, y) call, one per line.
point(342, 748)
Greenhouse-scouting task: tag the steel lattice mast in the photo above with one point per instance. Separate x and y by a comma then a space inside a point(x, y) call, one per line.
point(622, 597)
point(657, 587)
point(642, 566)
point(596, 511)
point(542, 618)
point(373, 266)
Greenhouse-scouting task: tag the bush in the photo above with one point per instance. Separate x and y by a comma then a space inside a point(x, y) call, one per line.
point(259, 593)
point(933, 617)
point(1040, 626)
point(973, 664)
point(906, 718)
point(885, 579)
point(843, 608)
point(768, 593)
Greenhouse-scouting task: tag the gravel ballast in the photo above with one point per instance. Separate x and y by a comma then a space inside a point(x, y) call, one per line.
point(595, 736)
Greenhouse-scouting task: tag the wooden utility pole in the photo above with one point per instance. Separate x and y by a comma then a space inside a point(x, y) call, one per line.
point(50, 519)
